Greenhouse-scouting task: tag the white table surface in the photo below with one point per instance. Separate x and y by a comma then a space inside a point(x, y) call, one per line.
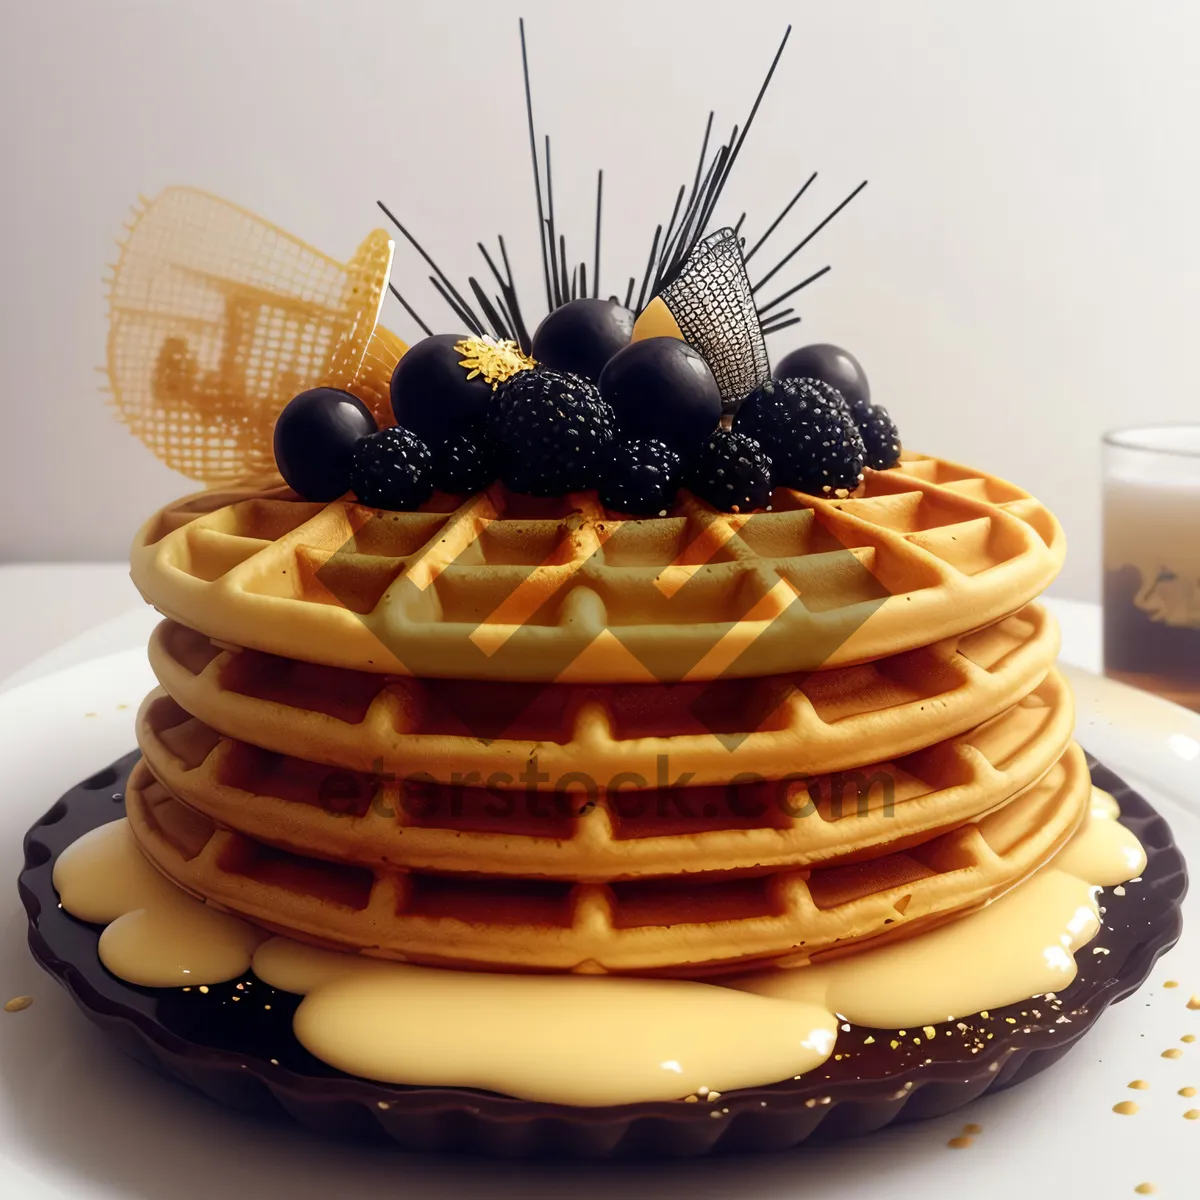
point(60, 614)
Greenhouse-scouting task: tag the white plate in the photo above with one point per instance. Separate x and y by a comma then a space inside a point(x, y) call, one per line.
point(78, 1120)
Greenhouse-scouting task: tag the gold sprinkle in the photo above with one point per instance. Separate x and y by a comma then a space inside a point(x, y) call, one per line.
point(274, 1062)
point(204, 988)
point(18, 1004)
point(713, 1096)
point(1174, 1052)
point(1187, 1091)
point(495, 361)
point(1011, 1020)
point(382, 1104)
point(122, 707)
point(987, 1016)
point(714, 1114)
point(1192, 1114)
point(929, 1031)
point(902, 1032)
point(869, 1041)
point(894, 1044)
point(959, 1143)
point(1145, 1189)
point(1126, 1108)
point(266, 1008)
point(810, 1104)
point(1139, 1085)
point(1194, 1003)
point(916, 1041)
point(1171, 983)
point(690, 1099)
point(972, 1128)
point(1188, 1037)
point(89, 714)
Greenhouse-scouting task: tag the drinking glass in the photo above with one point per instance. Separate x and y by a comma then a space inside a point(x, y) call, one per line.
point(1152, 559)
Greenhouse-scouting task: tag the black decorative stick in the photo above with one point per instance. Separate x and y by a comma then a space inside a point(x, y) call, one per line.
point(804, 242)
point(461, 306)
point(408, 308)
point(537, 182)
point(596, 261)
point(555, 278)
point(649, 268)
point(766, 308)
point(514, 304)
point(768, 330)
point(461, 310)
point(762, 91)
point(775, 223)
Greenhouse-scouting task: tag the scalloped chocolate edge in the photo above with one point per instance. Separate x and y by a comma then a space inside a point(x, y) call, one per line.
point(835, 1101)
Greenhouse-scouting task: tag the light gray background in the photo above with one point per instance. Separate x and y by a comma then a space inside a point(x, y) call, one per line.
point(1021, 273)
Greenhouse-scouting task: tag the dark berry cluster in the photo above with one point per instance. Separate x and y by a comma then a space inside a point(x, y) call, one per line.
point(634, 420)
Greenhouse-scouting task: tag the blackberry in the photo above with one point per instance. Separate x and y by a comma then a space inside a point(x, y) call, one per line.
point(465, 464)
point(875, 425)
point(835, 398)
point(732, 472)
point(392, 469)
point(806, 429)
point(551, 431)
point(879, 435)
point(641, 478)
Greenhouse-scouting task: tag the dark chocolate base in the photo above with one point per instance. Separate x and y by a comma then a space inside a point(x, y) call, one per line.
point(235, 1043)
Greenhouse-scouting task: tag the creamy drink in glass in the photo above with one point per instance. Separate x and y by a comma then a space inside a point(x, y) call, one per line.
point(1152, 559)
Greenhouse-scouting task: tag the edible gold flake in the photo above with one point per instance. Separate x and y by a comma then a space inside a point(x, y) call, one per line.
point(495, 361)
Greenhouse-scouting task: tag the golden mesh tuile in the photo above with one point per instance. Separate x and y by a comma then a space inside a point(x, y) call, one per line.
point(217, 318)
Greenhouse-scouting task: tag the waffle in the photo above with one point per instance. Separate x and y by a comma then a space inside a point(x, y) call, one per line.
point(774, 725)
point(598, 833)
point(508, 588)
point(693, 926)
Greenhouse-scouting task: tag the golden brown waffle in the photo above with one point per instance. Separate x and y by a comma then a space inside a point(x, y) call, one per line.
point(774, 726)
point(218, 318)
point(591, 831)
point(690, 926)
point(508, 588)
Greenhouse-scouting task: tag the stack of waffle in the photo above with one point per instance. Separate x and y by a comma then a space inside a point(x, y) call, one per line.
point(516, 734)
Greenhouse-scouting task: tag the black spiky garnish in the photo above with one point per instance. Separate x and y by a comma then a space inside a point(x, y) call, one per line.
point(567, 277)
point(549, 426)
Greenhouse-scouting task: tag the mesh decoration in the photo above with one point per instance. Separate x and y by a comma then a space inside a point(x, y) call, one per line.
point(372, 384)
point(712, 304)
point(218, 318)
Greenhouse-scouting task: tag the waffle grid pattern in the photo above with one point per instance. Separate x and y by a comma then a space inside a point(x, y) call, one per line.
point(595, 831)
point(773, 726)
point(508, 588)
point(691, 927)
